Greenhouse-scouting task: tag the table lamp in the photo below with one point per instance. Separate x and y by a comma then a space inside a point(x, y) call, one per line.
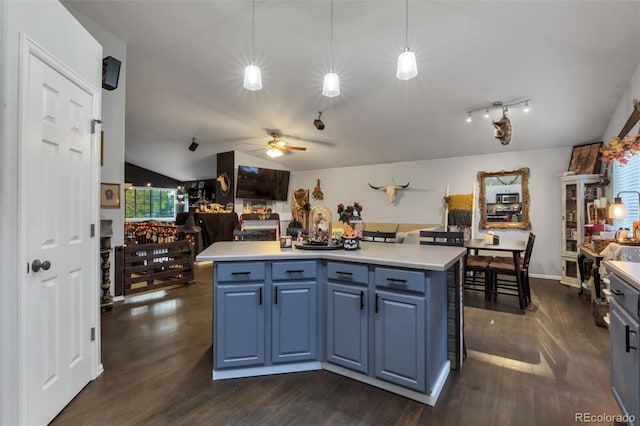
point(618, 210)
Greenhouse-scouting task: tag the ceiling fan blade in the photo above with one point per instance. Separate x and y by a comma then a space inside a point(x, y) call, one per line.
point(296, 148)
point(633, 119)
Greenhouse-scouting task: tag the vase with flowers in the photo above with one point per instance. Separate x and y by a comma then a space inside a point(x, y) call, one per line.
point(352, 215)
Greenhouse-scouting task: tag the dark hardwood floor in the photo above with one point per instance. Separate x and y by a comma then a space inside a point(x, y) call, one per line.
point(539, 368)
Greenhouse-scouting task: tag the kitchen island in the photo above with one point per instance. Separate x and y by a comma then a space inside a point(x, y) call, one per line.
point(378, 314)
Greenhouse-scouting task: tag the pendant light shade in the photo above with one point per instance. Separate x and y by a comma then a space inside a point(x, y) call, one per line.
point(331, 85)
point(407, 67)
point(252, 78)
point(274, 153)
point(252, 75)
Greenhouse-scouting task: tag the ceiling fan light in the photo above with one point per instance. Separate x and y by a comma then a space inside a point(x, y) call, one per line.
point(407, 67)
point(252, 78)
point(331, 85)
point(281, 144)
point(274, 153)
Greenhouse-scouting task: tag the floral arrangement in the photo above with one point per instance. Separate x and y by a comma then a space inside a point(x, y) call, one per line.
point(620, 150)
point(345, 214)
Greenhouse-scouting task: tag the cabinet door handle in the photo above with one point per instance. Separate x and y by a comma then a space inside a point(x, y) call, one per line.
point(259, 295)
point(344, 273)
point(377, 303)
point(627, 345)
point(275, 296)
point(396, 280)
point(295, 271)
point(240, 273)
point(617, 292)
point(361, 300)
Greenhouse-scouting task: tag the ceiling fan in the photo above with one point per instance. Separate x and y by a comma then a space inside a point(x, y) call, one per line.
point(277, 147)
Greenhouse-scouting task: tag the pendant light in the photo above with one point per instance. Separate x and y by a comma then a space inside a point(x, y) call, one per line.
point(331, 84)
point(252, 76)
point(407, 67)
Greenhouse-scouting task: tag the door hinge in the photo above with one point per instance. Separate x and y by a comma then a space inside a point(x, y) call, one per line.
point(93, 125)
point(93, 229)
point(93, 334)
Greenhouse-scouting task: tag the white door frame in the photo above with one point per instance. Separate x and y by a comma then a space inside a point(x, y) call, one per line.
point(29, 47)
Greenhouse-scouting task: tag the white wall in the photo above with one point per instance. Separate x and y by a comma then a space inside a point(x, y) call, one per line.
point(623, 110)
point(113, 113)
point(421, 202)
point(41, 21)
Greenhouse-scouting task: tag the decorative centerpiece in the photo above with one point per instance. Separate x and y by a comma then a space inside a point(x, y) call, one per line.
point(350, 240)
point(320, 227)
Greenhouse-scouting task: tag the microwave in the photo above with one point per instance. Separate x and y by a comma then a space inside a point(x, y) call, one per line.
point(507, 198)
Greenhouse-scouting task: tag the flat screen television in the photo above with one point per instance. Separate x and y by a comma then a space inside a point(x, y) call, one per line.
point(256, 183)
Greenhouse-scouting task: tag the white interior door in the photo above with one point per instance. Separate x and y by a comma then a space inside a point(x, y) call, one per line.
point(60, 291)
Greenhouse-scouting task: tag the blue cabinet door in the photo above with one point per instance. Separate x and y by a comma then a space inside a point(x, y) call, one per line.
point(400, 345)
point(239, 326)
point(294, 322)
point(347, 326)
point(624, 360)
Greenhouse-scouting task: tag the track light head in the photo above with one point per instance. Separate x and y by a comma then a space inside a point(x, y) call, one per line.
point(194, 145)
point(318, 123)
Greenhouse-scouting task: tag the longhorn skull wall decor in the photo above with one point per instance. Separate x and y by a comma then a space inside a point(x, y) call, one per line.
point(390, 190)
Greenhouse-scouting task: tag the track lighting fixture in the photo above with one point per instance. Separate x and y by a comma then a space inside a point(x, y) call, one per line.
point(194, 145)
point(318, 123)
point(504, 106)
point(252, 75)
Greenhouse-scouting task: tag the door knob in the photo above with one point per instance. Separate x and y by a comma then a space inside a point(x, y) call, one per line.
point(36, 265)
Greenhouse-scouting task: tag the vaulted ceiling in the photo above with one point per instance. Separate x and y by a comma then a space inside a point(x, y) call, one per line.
point(185, 62)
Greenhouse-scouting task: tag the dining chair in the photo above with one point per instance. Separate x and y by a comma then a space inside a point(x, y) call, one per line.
point(380, 237)
point(442, 238)
point(504, 279)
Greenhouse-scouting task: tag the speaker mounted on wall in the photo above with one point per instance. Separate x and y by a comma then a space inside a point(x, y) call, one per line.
point(110, 73)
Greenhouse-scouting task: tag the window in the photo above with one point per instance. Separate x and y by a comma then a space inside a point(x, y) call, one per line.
point(627, 178)
point(150, 203)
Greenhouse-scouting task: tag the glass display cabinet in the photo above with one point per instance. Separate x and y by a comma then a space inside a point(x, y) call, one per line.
point(578, 191)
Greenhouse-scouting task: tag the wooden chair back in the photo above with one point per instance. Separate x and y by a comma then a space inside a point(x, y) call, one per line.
point(377, 236)
point(442, 238)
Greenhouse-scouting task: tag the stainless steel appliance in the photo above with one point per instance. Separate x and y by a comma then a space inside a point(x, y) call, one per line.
point(507, 198)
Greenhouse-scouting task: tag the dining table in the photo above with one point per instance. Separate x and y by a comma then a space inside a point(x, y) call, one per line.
point(516, 248)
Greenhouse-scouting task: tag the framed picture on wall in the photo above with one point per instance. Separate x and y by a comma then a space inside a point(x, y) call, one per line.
point(110, 195)
point(585, 159)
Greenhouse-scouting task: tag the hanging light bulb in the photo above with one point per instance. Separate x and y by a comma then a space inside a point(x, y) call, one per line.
point(407, 66)
point(486, 113)
point(526, 107)
point(331, 83)
point(252, 75)
point(469, 119)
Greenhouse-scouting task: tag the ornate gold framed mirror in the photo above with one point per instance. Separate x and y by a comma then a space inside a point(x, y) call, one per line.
point(504, 199)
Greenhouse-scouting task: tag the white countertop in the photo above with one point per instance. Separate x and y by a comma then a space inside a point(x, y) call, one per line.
point(434, 258)
point(628, 271)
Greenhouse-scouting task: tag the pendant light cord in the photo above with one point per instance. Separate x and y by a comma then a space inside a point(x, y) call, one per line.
point(406, 24)
point(331, 40)
point(253, 24)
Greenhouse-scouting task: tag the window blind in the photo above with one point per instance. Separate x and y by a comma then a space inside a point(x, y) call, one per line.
point(627, 178)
